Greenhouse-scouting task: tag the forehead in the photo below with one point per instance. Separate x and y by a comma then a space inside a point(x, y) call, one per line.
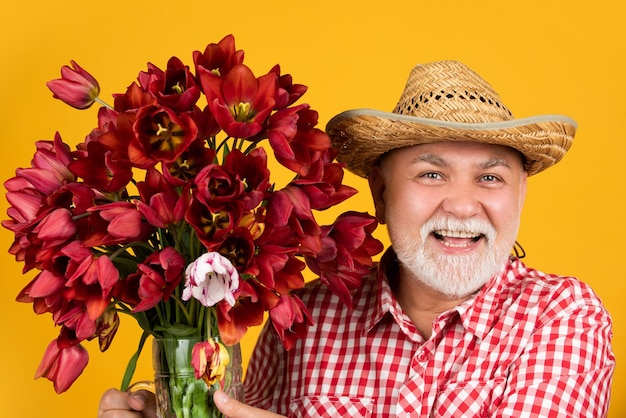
point(449, 153)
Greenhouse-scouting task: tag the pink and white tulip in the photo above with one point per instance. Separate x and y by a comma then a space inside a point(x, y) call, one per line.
point(210, 279)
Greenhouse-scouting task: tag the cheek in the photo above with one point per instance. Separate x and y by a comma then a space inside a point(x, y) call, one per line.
point(411, 207)
point(505, 213)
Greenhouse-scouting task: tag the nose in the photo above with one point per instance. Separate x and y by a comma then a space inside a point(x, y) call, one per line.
point(462, 201)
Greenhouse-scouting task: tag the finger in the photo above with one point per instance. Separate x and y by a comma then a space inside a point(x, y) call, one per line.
point(143, 400)
point(232, 408)
point(114, 404)
point(113, 399)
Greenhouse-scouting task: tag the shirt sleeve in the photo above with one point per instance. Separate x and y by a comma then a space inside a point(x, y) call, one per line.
point(568, 366)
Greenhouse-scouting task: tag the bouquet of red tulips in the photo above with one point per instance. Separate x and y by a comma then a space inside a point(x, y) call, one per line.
point(166, 211)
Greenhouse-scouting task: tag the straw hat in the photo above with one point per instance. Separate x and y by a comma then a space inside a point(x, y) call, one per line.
point(447, 101)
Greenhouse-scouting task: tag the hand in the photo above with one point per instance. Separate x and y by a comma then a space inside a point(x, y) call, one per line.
point(118, 404)
point(235, 409)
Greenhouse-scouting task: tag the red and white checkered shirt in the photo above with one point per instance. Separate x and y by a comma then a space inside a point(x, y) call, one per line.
point(527, 345)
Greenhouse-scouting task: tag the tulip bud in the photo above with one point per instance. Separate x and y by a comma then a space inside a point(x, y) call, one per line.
point(76, 87)
point(107, 326)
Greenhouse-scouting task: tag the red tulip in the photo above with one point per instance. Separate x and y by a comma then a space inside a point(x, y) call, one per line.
point(48, 171)
point(348, 247)
point(219, 58)
point(134, 98)
point(242, 178)
point(54, 156)
point(158, 277)
point(279, 268)
point(175, 88)
point(45, 284)
point(56, 227)
point(216, 188)
point(288, 93)
point(291, 207)
point(209, 360)
point(290, 319)
point(233, 321)
point(84, 268)
point(324, 185)
point(240, 102)
point(251, 169)
point(281, 132)
point(98, 167)
point(160, 203)
point(125, 220)
point(186, 167)
point(212, 227)
point(76, 87)
point(79, 315)
point(62, 364)
point(161, 135)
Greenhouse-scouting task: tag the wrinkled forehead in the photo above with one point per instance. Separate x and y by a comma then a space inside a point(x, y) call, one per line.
point(440, 153)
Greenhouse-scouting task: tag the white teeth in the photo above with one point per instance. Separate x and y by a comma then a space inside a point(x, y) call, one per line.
point(447, 244)
point(456, 234)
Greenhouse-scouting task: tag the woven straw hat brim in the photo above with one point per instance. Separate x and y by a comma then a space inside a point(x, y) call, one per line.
point(362, 136)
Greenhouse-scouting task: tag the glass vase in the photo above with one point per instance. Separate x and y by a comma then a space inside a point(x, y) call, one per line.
point(178, 393)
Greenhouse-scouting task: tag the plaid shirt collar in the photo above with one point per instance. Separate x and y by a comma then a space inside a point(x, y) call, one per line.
point(477, 314)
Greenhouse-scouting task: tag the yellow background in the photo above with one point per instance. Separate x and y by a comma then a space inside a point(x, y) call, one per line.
point(541, 56)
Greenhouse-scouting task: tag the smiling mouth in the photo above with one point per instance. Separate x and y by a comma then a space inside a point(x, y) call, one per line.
point(457, 239)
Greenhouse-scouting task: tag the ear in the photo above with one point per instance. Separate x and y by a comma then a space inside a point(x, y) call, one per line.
point(523, 187)
point(377, 188)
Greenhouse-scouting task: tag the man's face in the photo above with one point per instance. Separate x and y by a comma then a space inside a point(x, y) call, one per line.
point(452, 211)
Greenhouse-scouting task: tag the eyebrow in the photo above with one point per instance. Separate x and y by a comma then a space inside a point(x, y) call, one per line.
point(495, 162)
point(431, 159)
point(440, 162)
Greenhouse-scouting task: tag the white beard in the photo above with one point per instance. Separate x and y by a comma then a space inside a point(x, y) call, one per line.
point(455, 276)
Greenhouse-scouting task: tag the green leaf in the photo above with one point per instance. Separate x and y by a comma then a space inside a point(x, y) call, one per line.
point(132, 363)
point(177, 330)
point(142, 319)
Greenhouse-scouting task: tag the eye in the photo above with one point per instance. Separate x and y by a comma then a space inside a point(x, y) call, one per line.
point(431, 175)
point(429, 178)
point(490, 179)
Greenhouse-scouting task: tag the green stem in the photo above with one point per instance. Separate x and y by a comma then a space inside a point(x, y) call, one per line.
point(222, 144)
point(102, 102)
point(130, 245)
point(123, 308)
point(201, 318)
point(82, 215)
point(159, 312)
point(252, 146)
point(182, 307)
point(211, 323)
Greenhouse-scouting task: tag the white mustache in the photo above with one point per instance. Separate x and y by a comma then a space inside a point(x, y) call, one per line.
point(472, 226)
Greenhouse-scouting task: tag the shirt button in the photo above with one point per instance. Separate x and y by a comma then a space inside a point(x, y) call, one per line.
point(422, 357)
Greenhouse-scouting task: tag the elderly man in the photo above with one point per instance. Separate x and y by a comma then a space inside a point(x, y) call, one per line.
point(449, 324)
